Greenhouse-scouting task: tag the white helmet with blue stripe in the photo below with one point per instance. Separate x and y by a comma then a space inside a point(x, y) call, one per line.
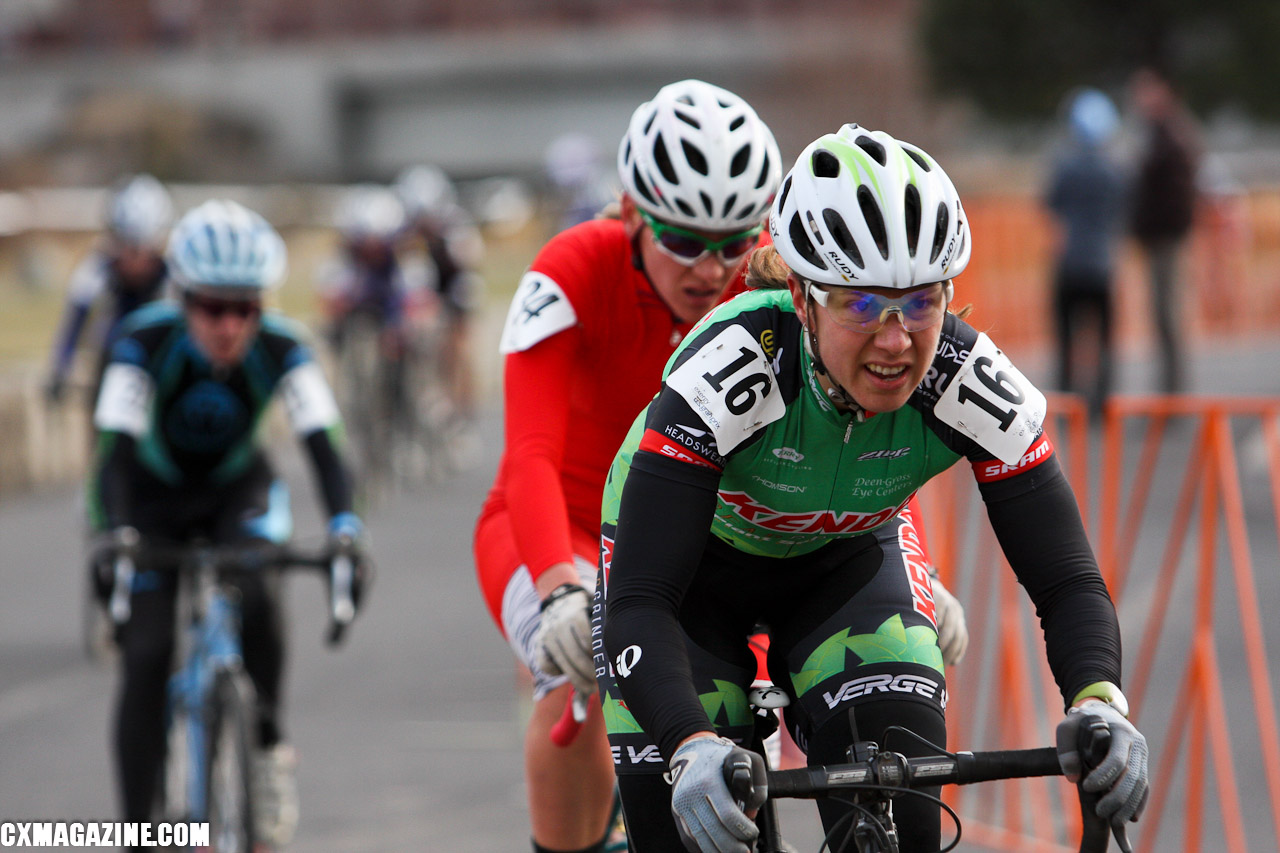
point(139, 212)
point(225, 248)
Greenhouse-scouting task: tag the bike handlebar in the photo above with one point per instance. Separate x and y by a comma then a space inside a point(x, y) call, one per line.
point(893, 772)
point(337, 559)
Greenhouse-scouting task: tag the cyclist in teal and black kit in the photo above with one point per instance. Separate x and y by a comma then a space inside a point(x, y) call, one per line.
point(764, 482)
point(181, 403)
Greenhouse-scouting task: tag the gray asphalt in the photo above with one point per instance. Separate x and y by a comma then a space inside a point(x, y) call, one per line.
point(409, 735)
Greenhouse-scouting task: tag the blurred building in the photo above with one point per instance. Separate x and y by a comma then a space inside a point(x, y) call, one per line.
point(253, 90)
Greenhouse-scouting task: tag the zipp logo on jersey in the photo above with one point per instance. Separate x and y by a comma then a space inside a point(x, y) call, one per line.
point(918, 684)
point(884, 454)
point(677, 442)
point(817, 521)
point(988, 472)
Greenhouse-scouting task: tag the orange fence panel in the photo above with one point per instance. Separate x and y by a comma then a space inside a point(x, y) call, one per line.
point(1187, 496)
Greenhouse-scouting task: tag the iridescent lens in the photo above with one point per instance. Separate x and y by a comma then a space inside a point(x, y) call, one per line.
point(867, 312)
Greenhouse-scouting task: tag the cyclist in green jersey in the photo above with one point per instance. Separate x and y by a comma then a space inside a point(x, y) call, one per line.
point(765, 482)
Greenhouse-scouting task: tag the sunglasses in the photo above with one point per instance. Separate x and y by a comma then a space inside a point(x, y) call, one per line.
point(866, 312)
point(687, 248)
point(215, 309)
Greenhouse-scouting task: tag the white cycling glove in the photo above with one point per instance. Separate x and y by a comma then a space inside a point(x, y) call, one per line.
point(707, 817)
point(563, 641)
point(1122, 774)
point(953, 633)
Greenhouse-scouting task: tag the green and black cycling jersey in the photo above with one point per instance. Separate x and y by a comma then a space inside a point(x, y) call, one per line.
point(166, 414)
point(742, 442)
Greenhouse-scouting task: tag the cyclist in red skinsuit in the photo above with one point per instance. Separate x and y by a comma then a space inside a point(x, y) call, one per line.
point(591, 326)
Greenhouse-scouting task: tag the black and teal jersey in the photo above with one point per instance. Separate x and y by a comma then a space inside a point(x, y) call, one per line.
point(740, 396)
point(187, 422)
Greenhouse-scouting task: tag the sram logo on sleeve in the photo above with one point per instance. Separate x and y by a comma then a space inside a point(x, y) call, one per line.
point(993, 403)
point(538, 310)
point(730, 385)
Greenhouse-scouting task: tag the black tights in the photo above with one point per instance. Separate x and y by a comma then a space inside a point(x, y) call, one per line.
point(146, 644)
point(646, 799)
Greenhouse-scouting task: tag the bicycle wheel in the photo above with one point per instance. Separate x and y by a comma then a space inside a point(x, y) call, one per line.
point(230, 771)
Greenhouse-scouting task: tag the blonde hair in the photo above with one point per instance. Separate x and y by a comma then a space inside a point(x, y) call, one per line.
point(767, 271)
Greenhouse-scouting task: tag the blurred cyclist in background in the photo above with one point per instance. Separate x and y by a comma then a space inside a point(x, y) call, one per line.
point(367, 278)
point(178, 457)
point(442, 231)
point(577, 179)
point(125, 272)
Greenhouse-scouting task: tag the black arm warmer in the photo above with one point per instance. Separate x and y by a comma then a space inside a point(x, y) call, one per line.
point(335, 481)
point(114, 478)
point(663, 525)
point(1037, 521)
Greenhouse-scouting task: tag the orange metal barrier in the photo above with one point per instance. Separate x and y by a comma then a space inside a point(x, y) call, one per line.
point(1171, 468)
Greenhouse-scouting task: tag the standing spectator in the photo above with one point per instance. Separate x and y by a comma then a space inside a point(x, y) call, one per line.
point(1086, 197)
point(1164, 207)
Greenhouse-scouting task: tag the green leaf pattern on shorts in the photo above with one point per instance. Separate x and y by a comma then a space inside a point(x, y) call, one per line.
point(618, 718)
point(730, 697)
point(891, 642)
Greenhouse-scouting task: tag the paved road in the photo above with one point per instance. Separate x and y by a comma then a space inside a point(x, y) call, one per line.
point(409, 735)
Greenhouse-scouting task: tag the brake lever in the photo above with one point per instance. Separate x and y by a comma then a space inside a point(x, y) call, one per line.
point(342, 608)
point(1093, 741)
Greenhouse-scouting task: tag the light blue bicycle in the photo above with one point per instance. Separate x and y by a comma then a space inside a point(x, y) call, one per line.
point(210, 713)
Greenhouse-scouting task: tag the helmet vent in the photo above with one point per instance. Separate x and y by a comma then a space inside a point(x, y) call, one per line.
point(706, 204)
point(786, 190)
point(738, 164)
point(694, 157)
point(939, 232)
point(648, 125)
point(875, 220)
point(915, 155)
point(911, 205)
point(802, 244)
point(728, 204)
point(639, 184)
point(688, 119)
point(737, 122)
point(764, 171)
point(685, 208)
point(840, 233)
point(825, 164)
point(663, 161)
point(875, 149)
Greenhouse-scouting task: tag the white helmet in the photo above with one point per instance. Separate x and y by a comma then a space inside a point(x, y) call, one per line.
point(860, 208)
point(370, 211)
point(224, 247)
point(425, 190)
point(139, 211)
point(698, 156)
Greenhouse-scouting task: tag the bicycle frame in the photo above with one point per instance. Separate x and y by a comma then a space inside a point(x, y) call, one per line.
point(213, 646)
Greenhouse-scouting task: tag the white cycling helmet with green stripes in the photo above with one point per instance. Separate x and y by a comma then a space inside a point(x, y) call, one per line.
point(699, 157)
point(862, 209)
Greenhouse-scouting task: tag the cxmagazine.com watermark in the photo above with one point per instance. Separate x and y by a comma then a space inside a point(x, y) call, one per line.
point(50, 833)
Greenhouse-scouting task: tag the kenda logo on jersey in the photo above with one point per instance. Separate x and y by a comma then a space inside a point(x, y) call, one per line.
point(905, 683)
point(817, 521)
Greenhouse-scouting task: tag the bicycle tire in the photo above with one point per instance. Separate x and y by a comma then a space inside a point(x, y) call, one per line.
point(229, 772)
point(173, 790)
